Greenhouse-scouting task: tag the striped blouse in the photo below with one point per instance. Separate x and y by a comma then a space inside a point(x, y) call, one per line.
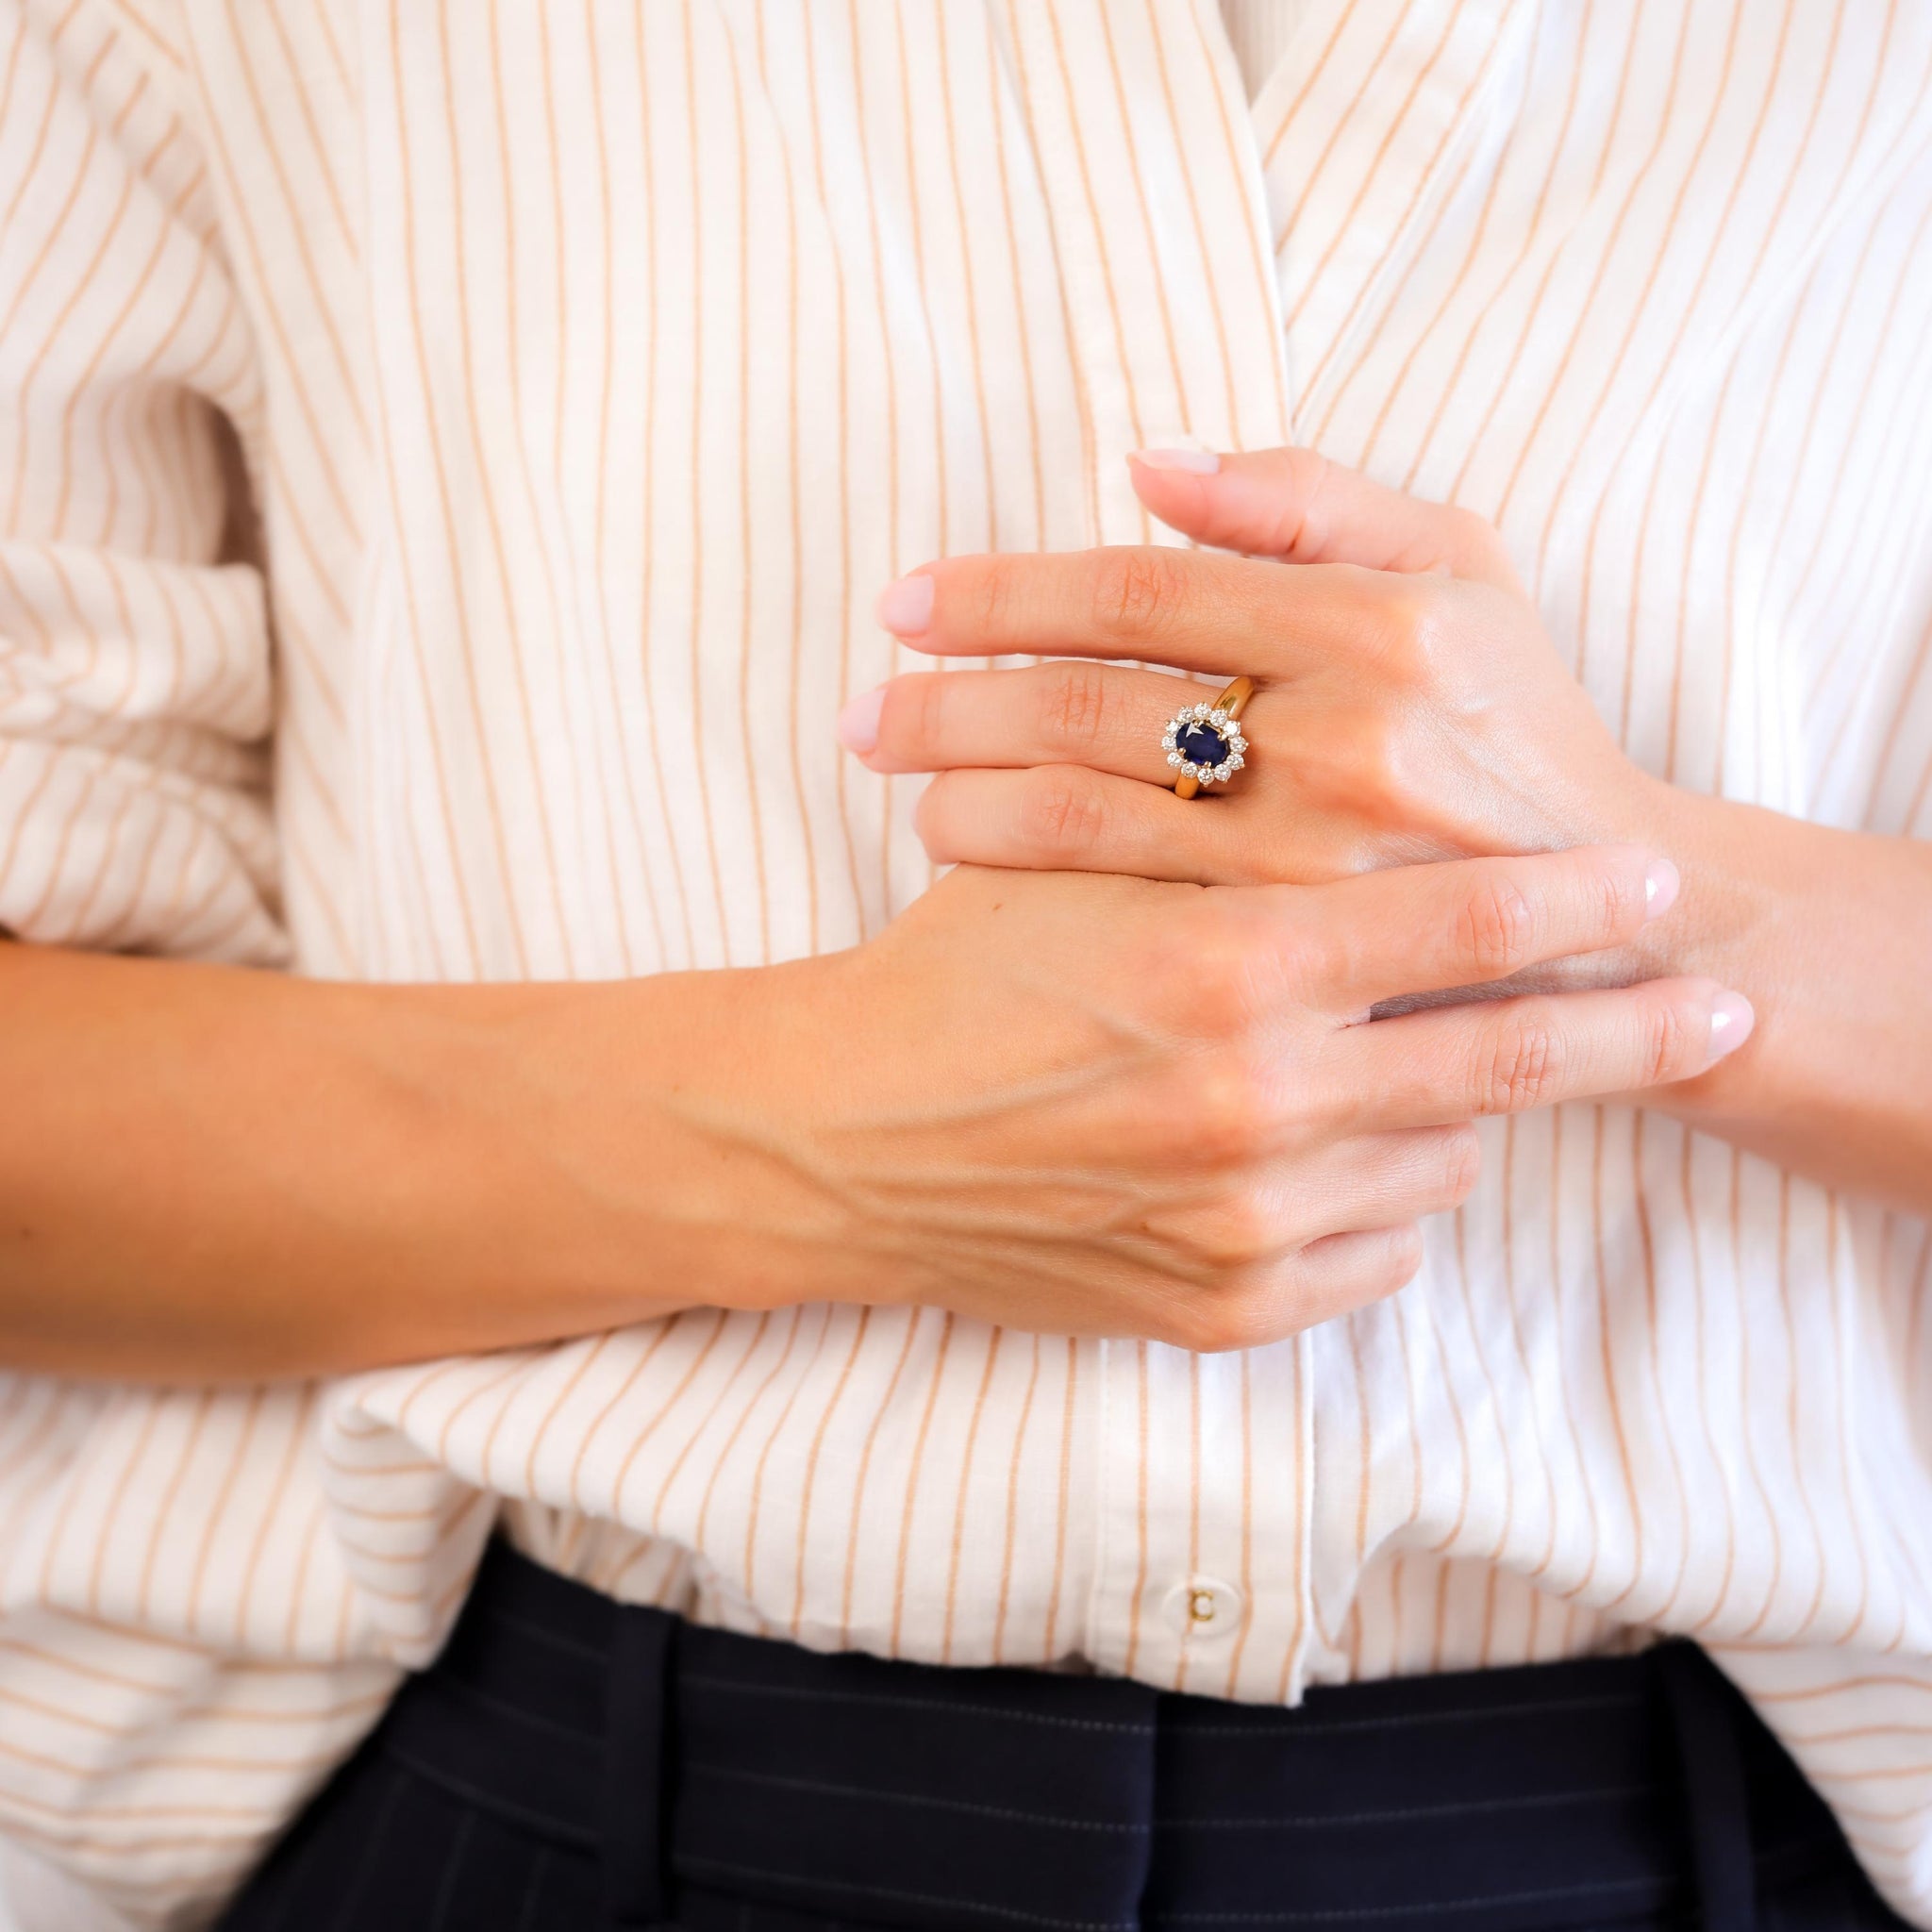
point(447, 453)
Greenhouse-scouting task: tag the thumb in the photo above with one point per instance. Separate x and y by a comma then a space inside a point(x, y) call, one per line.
point(1297, 505)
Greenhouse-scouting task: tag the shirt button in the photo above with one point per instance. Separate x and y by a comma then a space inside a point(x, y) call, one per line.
point(1202, 1607)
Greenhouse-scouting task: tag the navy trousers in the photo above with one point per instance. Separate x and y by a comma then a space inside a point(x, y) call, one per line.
point(569, 1763)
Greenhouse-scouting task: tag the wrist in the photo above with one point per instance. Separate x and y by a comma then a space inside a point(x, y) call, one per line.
point(1825, 931)
point(1718, 925)
point(1728, 924)
point(666, 1130)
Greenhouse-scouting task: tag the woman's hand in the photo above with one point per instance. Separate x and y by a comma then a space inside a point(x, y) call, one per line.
point(1087, 1104)
point(1409, 705)
point(1066, 1102)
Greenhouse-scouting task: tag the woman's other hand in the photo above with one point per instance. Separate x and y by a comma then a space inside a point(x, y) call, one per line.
point(1409, 703)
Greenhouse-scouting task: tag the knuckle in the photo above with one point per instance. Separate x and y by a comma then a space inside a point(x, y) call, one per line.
point(1356, 763)
point(1062, 813)
point(1302, 526)
point(1400, 624)
point(1473, 535)
point(1195, 1322)
point(1429, 637)
point(1079, 707)
point(1671, 1048)
point(1244, 1229)
point(1378, 1264)
point(1187, 990)
point(1626, 897)
point(1229, 1116)
point(1497, 928)
point(1135, 590)
point(918, 727)
point(1521, 1066)
point(1382, 753)
point(1613, 902)
point(932, 818)
point(987, 593)
point(1462, 1164)
point(1170, 1324)
point(1221, 986)
point(1402, 1259)
point(1382, 1264)
point(1241, 1312)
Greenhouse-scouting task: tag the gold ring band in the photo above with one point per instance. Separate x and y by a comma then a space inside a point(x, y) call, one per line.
point(1232, 701)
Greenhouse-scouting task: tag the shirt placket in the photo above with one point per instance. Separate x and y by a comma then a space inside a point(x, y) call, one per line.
point(1146, 160)
point(1358, 131)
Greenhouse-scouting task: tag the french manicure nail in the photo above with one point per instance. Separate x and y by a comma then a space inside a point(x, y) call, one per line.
point(905, 606)
point(1731, 1020)
point(1660, 885)
point(1198, 462)
point(858, 722)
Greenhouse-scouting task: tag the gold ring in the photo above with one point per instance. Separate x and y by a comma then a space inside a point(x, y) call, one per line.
point(1204, 742)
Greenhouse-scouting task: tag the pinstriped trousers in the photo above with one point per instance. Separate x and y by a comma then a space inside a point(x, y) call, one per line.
point(570, 1763)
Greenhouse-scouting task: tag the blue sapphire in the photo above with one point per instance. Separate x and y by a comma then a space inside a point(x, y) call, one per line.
point(1201, 744)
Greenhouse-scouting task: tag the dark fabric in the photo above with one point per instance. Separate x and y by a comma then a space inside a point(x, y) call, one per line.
point(570, 1763)
point(638, 1728)
point(1718, 1804)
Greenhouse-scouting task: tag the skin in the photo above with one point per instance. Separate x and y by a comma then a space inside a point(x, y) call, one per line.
point(1410, 708)
point(1069, 1102)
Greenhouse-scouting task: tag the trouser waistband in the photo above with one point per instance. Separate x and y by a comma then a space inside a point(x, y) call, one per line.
point(706, 1769)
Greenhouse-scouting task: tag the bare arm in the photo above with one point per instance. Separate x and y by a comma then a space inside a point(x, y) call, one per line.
point(1072, 1105)
point(207, 1171)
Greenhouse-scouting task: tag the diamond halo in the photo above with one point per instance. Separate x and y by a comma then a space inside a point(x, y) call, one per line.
point(1203, 744)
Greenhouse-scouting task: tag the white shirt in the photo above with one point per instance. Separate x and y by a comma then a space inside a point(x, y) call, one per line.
point(591, 367)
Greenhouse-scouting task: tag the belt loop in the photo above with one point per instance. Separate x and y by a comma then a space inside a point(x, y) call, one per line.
point(1717, 1816)
point(637, 1783)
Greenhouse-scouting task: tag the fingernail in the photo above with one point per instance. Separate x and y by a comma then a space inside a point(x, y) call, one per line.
point(858, 722)
point(905, 606)
point(1198, 462)
point(1660, 885)
point(1731, 1020)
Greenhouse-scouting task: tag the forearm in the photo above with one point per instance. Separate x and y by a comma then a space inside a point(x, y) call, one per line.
point(1829, 934)
point(210, 1174)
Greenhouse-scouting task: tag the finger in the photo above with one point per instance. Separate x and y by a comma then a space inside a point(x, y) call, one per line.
point(1068, 818)
point(1297, 505)
point(1326, 1278)
point(1195, 610)
point(1343, 1271)
point(1361, 1181)
point(1378, 1180)
point(1372, 1180)
point(1507, 1056)
point(1424, 928)
point(1070, 712)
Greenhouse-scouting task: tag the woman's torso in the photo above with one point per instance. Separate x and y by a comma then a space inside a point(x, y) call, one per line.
point(594, 368)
